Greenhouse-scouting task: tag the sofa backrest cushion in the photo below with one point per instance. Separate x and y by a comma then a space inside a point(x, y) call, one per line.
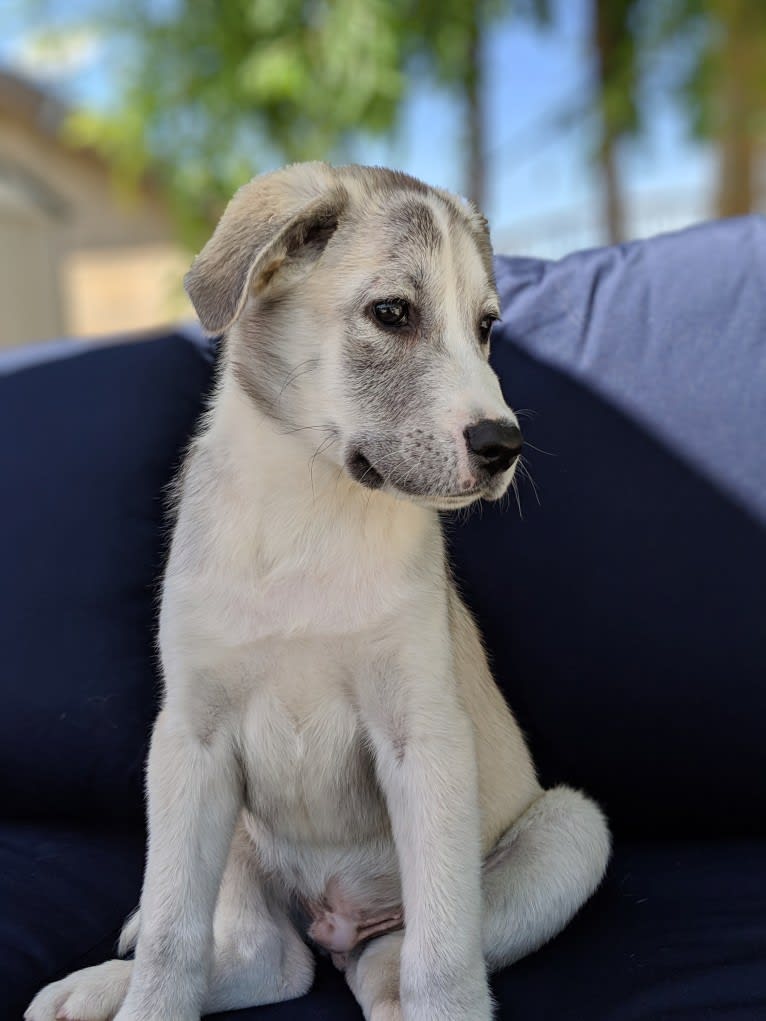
point(87, 445)
point(626, 611)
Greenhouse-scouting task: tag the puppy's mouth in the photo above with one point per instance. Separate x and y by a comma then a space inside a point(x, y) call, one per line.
point(361, 469)
point(455, 501)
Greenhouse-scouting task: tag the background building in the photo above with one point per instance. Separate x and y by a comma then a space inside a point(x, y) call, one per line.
point(76, 256)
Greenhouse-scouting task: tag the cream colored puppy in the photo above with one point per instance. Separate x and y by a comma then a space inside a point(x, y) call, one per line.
point(333, 763)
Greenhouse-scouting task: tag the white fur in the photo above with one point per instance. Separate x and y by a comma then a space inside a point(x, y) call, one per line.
point(329, 715)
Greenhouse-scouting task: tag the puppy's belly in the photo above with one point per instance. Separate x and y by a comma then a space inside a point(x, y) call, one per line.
point(309, 771)
point(314, 809)
point(341, 895)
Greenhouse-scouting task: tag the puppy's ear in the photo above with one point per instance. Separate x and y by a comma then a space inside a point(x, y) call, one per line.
point(276, 221)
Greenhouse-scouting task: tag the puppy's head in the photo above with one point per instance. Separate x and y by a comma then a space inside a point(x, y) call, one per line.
point(358, 305)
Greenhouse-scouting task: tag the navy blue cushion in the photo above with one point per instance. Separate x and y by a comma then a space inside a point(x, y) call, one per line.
point(88, 444)
point(625, 616)
point(626, 612)
point(677, 930)
point(65, 893)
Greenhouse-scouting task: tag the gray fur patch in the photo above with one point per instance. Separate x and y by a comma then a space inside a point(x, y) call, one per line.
point(412, 223)
point(468, 221)
point(417, 462)
point(381, 181)
point(386, 375)
point(263, 367)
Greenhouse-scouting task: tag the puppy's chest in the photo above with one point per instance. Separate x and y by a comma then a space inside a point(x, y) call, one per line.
point(309, 771)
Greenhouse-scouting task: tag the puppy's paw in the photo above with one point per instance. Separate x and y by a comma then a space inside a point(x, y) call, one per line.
point(93, 994)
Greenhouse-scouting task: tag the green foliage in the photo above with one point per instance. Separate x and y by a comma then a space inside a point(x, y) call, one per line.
point(211, 91)
point(617, 44)
point(705, 47)
point(217, 90)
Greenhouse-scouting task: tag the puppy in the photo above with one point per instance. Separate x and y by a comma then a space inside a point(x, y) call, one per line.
point(333, 763)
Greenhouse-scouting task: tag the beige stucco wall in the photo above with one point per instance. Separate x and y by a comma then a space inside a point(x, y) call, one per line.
point(76, 257)
point(30, 305)
point(131, 288)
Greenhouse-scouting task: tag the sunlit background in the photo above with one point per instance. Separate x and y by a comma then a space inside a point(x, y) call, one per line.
point(125, 125)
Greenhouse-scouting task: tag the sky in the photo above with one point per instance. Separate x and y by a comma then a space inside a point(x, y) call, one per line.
point(541, 183)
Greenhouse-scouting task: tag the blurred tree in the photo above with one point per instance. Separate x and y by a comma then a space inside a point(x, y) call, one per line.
point(721, 83)
point(715, 54)
point(212, 91)
point(616, 47)
point(449, 37)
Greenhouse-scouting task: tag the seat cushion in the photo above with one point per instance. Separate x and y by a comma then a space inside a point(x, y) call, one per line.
point(88, 444)
point(676, 931)
point(64, 894)
point(625, 609)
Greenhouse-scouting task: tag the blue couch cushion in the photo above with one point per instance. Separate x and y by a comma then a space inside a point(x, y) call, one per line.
point(625, 616)
point(672, 331)
point(677, 930)
point(88, 444)
point(65, 892)
point(626, 612)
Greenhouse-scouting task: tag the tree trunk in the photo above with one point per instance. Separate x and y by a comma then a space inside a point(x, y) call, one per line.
point(613, 207)
point(737, 158)
point(476, 171)
point(606, 48)
point(736, 109)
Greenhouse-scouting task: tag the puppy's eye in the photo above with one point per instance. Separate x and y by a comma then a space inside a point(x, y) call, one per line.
point(485, 327)
point(392, 312)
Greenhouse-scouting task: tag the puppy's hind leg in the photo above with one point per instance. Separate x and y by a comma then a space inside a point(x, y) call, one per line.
point(259, 956)
point(372, 974)
point(540, 872)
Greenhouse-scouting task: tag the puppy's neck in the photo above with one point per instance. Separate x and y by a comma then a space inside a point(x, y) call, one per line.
point(300, 504)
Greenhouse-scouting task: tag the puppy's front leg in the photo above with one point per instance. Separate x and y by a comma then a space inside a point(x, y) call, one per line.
point(194, 796)
point(426, 765)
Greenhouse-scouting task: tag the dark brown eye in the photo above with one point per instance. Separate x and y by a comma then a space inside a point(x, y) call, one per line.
point(485, 327)
point(392, 312)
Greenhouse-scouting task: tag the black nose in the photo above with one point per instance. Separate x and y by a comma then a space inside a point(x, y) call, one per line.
point(496, 444)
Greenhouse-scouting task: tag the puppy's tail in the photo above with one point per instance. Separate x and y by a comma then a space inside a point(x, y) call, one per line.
point(541, 872)
point(129, 934)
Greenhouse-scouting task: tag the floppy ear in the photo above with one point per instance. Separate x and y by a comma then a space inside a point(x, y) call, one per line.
point(273, 221)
